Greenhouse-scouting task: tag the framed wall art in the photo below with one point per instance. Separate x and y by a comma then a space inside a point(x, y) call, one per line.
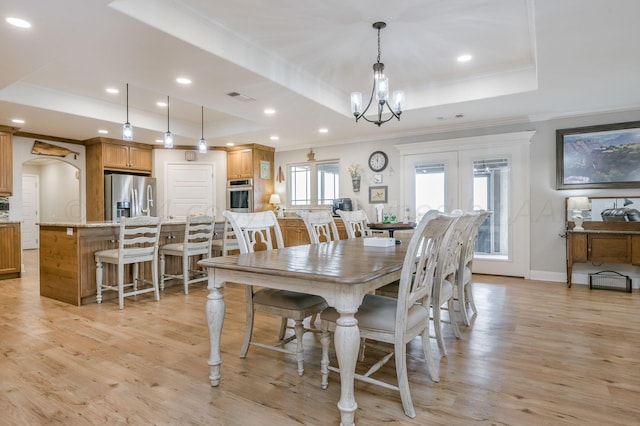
point(265, 170)
point(377, 194)
point(604, 156)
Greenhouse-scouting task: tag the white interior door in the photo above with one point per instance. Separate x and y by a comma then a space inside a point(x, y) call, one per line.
point(189, 190)
point(29, 230)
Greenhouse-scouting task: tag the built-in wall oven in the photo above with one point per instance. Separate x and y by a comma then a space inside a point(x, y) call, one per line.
point(240, 195)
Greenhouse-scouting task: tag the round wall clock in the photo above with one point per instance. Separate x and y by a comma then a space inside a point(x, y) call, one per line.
point(378, 161)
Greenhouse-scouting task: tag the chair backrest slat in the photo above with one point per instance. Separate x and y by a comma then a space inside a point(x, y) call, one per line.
point(447, 267)
point(198, 232)
point(427, 244)
point(320, 226)
point(255, 231)
point(356, 223)
point(139, 236)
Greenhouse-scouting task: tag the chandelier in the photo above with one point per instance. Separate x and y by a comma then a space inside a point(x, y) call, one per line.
point(380, 90)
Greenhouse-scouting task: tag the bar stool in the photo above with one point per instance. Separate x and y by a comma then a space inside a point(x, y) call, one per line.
point(228, 243)
point(137, 243)
point(198, 234)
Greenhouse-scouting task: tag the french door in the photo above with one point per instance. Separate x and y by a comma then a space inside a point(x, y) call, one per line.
point(489, 173)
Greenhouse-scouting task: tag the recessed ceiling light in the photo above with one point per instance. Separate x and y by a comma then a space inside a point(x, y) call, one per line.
point(18, 121)
point(161, 104)
point(269, 111)
point(112, 90)
point(323, 130)
point(465, 58)
point(103, 132)
point(160, 140)
point(183, 80)
point(17, 22)
point(274, 137)
point(230, 144)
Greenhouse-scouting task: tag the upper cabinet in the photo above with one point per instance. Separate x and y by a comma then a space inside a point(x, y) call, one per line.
point(240, 164)
point(111, 155)
point(6, 164)
point(126, 157)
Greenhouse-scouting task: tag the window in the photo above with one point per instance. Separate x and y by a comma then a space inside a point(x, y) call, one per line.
point(314, 184)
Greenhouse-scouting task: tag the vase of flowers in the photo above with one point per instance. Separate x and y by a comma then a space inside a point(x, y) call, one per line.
point(356, 175)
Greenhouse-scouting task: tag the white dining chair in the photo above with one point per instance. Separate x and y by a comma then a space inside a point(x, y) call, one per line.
point(320, 226)
point(444, 290)
point(137, 243)
point(198, 233)
point(399, 320)
point(257, 231)
point(464, 274)
point(356, 222)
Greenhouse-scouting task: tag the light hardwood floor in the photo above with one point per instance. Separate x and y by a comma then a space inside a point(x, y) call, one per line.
point(537, 354)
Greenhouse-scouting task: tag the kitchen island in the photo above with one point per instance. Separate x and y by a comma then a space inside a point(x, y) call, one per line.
point(67, 263)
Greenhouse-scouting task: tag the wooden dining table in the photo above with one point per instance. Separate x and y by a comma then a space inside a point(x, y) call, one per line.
point(341, 271)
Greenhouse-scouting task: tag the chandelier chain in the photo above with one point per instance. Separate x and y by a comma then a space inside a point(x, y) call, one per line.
point(378, 45)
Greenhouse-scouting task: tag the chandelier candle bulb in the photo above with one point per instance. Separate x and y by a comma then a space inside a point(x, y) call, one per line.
point(356, 103)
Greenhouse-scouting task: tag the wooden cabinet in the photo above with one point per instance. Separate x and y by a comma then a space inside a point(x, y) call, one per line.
point(240, 164)
point(110, 155)
point(246, 162)
point(603, 242)
point(124, 157)
point(6, 164)
point(10, 251)
point(294, 232)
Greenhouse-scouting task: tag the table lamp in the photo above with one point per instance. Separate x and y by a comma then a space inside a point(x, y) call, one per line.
point(274, 200)
point(577, 205)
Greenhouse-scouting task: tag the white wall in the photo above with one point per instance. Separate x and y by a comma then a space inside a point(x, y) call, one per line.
point(547, 221)
point(62, 195)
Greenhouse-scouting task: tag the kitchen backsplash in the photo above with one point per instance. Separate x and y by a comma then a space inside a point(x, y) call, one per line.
point(4, 208)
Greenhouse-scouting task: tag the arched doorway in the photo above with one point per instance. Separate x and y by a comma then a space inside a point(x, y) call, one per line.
point(50, 193)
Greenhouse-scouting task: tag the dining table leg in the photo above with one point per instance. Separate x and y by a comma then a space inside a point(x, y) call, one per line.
point(215, 310)
point(347, 342)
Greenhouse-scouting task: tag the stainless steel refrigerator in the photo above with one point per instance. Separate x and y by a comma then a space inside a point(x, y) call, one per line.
point(128, 196)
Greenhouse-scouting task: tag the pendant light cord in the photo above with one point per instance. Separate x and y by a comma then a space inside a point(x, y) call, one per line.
point(168, 114)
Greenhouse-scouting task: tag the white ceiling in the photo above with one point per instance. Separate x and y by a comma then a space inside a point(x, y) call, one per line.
point(531, 60)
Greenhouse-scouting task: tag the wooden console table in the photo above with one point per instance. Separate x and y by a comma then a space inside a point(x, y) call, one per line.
point(603, 242)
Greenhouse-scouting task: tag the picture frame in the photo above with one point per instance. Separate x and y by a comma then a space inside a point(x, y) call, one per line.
point(265, 169)
point(377, 178)
point(378, 194)
point(598, 157)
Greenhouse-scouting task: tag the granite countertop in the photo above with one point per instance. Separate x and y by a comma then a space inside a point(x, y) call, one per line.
point(9, 221)
point(103, 224)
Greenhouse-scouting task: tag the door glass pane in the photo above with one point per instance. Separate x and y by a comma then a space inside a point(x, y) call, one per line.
point(429, 184)
point(491, 192)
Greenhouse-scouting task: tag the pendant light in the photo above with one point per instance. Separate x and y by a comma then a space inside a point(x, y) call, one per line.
point(380, 91)
point(127, 128)
point(202, 143)
point(168, 137)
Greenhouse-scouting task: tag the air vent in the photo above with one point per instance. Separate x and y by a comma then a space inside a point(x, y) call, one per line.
point(240, 97)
